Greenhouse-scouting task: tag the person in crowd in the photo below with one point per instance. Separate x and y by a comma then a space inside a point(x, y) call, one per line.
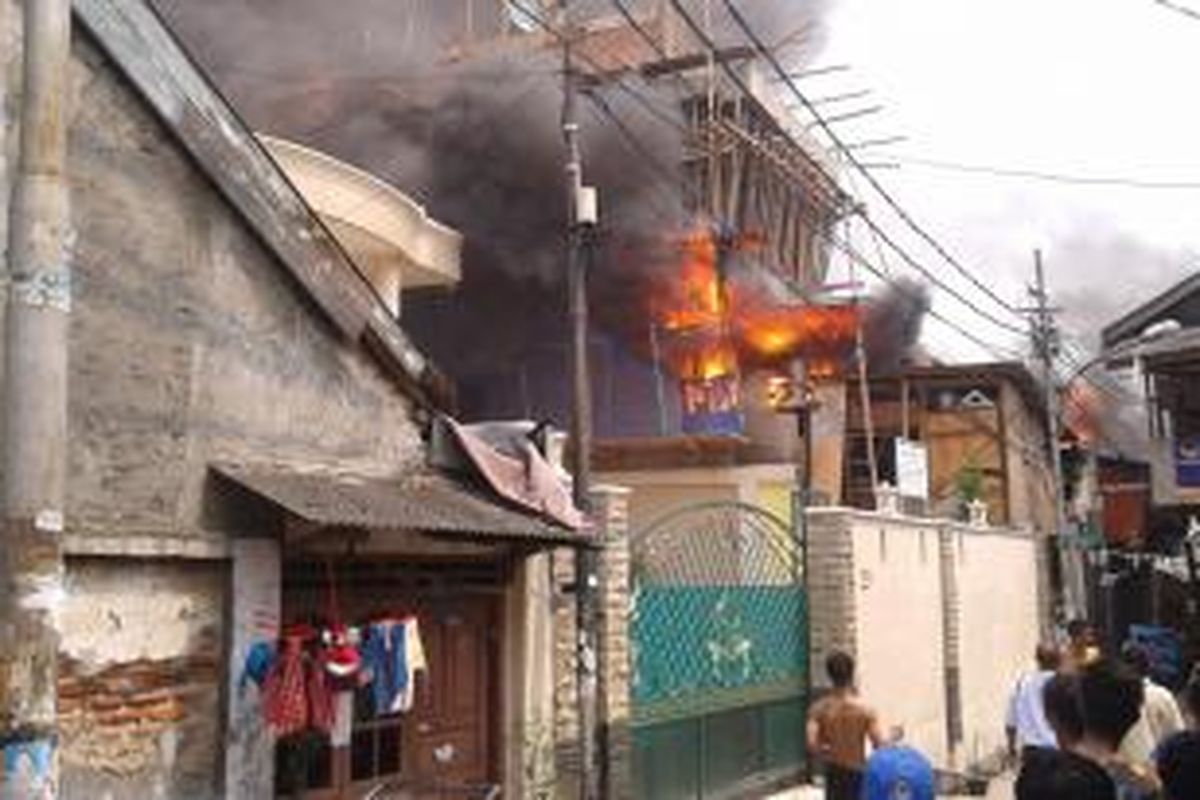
point(1060, 773)
point(1082, 648)
point(1160, 715)
point(1060, 699)
point(1178, 762)
point(1191, 699)
point(898, 771)
point(1026, 725)
point(1111, 697)
point(1050, 774)
point(839, 727)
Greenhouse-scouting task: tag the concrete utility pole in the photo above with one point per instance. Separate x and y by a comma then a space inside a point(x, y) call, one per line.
point(35, 411)
point(586, 558)
point(1046, 343)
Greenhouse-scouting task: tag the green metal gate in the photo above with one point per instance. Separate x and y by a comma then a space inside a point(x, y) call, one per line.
point(720, 653)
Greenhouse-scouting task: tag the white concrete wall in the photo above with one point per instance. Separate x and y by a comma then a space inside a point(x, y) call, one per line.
point(899, 629)
point(997, 584)
point(878, 589)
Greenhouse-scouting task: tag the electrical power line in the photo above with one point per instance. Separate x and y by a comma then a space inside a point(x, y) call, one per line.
point(1051, 177)
point(903, 214)
point(890, 241)
point(617, 81)
point(845, 247)
point(1179, 9)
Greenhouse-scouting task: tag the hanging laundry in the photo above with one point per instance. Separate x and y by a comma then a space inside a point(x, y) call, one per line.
point(257, 666)
point(383, 657)
point(320, 693)
point(285, 696)
point(414, 662)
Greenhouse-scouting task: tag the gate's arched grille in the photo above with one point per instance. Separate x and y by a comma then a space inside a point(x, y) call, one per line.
point(719, 650)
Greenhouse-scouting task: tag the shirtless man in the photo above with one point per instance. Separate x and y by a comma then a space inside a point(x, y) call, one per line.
point(839, 727)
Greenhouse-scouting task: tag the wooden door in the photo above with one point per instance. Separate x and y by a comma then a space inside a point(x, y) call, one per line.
point(450, 730)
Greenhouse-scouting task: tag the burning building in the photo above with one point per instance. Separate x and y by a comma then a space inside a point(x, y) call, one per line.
point(717, 326)
point(458, 103)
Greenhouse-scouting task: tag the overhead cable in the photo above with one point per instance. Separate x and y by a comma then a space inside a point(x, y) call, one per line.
point(900, 211)
point(891, 242)
point(1051, 177)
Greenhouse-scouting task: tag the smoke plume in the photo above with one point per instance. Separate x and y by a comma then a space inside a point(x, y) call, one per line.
point(427, 95)
point(893, 324)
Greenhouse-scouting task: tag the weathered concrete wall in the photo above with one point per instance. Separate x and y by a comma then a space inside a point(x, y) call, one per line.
point(140, 679)
point(898, 628)
point(528, 682)
point(189, 343)
point(254, 616)
point(997, 584)
point(941, 617)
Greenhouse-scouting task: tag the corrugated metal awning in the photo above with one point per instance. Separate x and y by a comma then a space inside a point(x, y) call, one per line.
point(427, 502)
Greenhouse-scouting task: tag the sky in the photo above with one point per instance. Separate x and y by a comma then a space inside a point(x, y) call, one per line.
point(1078, 87)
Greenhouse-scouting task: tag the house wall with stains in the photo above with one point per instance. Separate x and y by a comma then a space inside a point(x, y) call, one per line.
point(189, 344)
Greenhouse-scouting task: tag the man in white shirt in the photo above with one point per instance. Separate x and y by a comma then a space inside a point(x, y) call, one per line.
point(1026, 723)
point(1160, 715)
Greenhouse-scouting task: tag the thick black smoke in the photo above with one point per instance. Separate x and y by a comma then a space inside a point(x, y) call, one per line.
point(472, 130)
point(893, 324)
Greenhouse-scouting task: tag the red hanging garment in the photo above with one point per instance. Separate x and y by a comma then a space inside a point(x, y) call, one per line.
point(285, 701)
point(320, 695)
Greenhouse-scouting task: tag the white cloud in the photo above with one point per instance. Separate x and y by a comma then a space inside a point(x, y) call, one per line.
point(1093, 87)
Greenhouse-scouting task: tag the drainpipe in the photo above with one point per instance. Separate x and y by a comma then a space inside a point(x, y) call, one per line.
point(35, 411)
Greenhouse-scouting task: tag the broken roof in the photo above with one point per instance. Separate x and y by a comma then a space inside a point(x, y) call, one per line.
point(428, 502)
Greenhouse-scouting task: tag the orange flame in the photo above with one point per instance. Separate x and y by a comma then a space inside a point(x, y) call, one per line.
point(782, 331)
point(700, 303)
point(717, 327)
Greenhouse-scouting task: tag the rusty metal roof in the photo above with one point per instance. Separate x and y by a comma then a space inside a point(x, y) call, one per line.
point(430, 502)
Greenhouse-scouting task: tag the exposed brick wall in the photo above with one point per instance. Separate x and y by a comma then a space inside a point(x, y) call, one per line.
point(831, 589)
point(611, 506)
point(140, 679)
point(614, 668)
point(566, 713)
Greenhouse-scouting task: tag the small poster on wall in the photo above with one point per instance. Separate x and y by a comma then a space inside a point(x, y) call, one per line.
point(912, 469)
point(1187, 461)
